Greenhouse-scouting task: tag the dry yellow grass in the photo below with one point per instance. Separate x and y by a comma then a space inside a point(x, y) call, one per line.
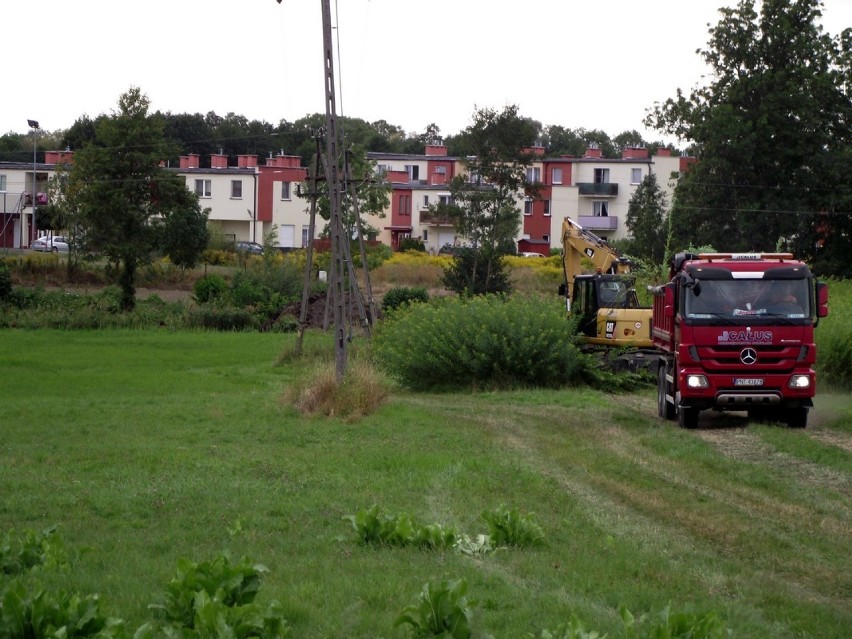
point(362, 391)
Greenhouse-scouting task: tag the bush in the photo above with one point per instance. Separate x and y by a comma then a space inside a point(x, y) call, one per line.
point(412, 244)
point(209, 287)
point(223, 318)
point(472, 273)
point(5, 281)
point(400, 295)
point(490, 341)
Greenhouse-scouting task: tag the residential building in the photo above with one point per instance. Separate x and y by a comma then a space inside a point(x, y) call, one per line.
point(592, 190)
point(249, 200)
point(246, 201)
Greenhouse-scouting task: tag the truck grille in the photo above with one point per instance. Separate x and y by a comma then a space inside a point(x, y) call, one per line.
point(766, 359)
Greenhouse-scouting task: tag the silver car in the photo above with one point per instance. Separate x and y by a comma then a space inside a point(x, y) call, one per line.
point(55, 244)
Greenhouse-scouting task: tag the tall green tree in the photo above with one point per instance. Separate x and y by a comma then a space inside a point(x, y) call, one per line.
point(772, 131)
point(129, 205)
point(485, 199)
point(646, 220)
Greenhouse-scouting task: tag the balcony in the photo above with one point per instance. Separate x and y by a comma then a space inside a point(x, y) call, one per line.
point(433, 219)
point(598, 189)
point(599, 222)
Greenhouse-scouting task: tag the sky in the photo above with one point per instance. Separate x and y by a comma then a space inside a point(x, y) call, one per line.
point(578, 64)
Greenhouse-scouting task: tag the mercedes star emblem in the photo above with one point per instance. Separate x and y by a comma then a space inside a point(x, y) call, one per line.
point(748, 356)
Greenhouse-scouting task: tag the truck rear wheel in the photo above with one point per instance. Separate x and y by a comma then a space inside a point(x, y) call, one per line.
point(797, 417)
point(687, 417)
point(664, 409)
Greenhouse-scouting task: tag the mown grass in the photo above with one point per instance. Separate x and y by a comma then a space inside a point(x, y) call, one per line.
point(147, 446)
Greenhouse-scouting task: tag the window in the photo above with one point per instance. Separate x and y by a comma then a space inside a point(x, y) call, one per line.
point(405, 205)
point(600, 209)
point(425, 202)
point(236, 189)
point(413, 171)
point(546, 238)
point(528, 206)
point(445, 199)
point(441, 169)
point(635, 176)
point(546, 208)
point(285, 190)
point(2, 182)
point(425, 235)
point(556, 176)
point(533, 174)
point(601, 176)
point(203, 188)
point(305, 236)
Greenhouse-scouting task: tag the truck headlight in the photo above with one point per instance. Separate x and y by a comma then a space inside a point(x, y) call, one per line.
point(799, 381)
point(697, 381)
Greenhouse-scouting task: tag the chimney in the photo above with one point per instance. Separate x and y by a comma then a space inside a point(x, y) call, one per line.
point(634, 153)
point(247, 161)
point(219, 161)
point(593, 151)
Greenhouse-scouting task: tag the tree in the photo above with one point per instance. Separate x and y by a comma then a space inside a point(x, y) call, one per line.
point(128, 204)
point(485, 200)
point(773, 133)
point(646, 220)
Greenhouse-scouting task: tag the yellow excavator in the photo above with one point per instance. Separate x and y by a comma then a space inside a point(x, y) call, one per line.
point(605, 300)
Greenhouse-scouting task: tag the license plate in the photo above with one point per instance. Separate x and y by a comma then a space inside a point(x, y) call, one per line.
point(748, 381)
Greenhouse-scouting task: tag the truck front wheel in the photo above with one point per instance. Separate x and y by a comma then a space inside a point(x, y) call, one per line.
point(797, 417)
point(665, 409)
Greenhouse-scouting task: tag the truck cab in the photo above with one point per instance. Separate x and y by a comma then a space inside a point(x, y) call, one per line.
point(736, 334)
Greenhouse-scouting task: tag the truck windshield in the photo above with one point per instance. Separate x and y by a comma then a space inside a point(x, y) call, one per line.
point(768, 300)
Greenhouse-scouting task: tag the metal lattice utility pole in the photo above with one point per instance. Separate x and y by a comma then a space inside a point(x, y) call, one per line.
point(332, 174)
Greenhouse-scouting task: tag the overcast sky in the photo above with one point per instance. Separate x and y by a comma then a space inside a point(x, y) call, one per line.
point(592, 64)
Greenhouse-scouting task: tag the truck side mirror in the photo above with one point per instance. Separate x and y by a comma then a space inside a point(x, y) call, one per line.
point(822, 299)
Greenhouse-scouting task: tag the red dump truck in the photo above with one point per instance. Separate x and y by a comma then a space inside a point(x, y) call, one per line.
point(736, 333)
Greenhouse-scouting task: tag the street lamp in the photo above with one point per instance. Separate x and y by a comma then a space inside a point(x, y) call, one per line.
point(34, 126)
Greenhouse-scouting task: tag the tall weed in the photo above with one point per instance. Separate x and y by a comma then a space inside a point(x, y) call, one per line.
point(361, 392)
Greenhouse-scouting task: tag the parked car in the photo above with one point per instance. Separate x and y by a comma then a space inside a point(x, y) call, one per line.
point(530, 254)
point(55, 244)
point(449, 249)
point(248, 247)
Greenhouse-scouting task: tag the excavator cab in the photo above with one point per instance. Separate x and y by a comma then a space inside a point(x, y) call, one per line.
point(595, 292)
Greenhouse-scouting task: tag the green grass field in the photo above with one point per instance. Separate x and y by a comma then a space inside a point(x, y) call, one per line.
point(148, 446)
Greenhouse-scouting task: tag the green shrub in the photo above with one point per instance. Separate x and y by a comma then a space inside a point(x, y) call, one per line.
point(412, 244)
point(833, 337)
point(471, 272)
point(490, 341)
point(400, 295)
point(209, 287)
point(5, 281)
point(223, 318)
